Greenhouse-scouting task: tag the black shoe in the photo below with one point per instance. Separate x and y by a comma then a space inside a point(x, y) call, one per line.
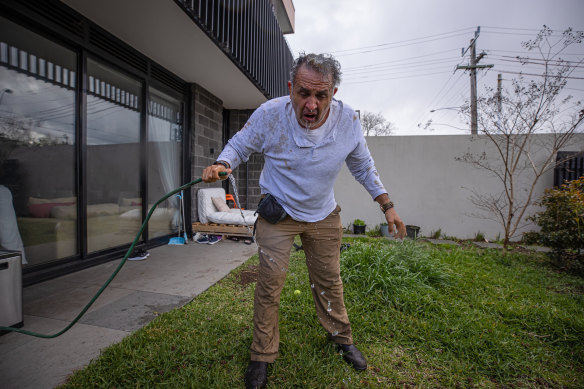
point(353, 356)
point(256, 375)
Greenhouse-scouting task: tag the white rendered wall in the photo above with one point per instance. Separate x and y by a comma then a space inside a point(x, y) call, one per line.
point(428, 185)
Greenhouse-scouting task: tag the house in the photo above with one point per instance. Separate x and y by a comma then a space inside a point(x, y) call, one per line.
point(105, 106)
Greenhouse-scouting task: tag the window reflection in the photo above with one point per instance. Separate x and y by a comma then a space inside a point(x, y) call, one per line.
point(164, 170)
point(113, 157)
point(38, 203)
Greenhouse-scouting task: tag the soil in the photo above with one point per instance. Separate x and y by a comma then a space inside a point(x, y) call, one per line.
point(248, 275)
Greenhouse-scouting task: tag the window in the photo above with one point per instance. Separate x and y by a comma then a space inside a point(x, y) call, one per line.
point(164, 155)
point(38, 201)
point(113, 157)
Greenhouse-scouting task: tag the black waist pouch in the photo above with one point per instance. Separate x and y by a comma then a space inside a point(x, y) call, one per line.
point(271, 210)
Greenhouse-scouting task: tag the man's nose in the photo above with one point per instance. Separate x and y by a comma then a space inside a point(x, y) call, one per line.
point(311, 103)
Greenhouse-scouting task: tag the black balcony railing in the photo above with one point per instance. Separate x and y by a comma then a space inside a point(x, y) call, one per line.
point(569, 167)
point(248, 32)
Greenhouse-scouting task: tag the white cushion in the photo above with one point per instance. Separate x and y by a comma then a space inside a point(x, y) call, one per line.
point(205, 202)
point(233, 217)
point(220, 204)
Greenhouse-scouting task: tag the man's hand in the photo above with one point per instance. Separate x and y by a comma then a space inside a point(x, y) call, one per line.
point(393, 219)
point(211, 173)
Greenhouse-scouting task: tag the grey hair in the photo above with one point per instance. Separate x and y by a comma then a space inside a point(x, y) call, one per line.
point(324, 64)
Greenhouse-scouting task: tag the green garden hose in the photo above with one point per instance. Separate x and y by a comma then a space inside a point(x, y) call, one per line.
point(116, 271)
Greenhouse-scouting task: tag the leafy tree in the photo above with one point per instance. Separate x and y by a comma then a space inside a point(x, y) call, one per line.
point(512, 120)
point(374, 124)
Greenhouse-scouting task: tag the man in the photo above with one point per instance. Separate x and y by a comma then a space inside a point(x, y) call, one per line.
point(305, 138)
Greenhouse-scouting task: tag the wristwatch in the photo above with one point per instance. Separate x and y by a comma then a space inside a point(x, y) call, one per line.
point(386, 206)
point(223, 163)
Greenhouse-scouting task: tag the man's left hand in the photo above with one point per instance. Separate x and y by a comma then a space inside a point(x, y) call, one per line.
point(393, 219)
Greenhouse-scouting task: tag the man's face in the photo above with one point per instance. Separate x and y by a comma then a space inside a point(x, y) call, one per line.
point(311, 97)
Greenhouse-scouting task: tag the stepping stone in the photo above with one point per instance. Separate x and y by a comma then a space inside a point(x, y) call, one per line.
point(486, 245)
point(539, 249)
point(443, 241)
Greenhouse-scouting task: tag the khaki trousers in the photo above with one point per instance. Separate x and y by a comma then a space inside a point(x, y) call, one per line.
point(321, 242)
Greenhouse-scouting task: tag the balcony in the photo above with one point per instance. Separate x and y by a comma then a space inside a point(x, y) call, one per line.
point(249, 33)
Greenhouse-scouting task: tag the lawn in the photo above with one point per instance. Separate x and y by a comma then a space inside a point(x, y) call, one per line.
point(424, 316)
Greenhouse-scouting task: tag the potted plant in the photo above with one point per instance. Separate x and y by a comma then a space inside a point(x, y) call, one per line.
point(384, 229)
point(358, 226)
point(412, 232)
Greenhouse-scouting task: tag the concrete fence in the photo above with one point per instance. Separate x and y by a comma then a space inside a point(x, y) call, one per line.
point(430, 188)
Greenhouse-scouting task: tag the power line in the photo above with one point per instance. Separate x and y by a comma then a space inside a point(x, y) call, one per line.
point(394, 47)
point(513, 28)
point(541, 75)
point(394, 78)
point(407, 40)
point(398, 66)
point(527, 52)
point(402, 60)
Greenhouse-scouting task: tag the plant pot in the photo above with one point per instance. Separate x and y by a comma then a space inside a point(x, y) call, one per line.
point(358, 229)
point(412, 231)
point(384, 230)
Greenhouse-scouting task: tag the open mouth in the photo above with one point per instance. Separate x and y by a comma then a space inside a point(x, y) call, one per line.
point(309, 116)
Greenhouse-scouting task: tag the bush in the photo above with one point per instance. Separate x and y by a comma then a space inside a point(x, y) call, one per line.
point(531, 238)
point(562, 221)
point(358, 222)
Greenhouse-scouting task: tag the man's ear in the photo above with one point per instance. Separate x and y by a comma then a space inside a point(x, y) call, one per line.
point(290, 87)
point(335, 91)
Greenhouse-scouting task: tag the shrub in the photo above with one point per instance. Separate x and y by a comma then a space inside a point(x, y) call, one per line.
point(358, 222)
point(531, 238)
point(479, 237)
point(562, 221)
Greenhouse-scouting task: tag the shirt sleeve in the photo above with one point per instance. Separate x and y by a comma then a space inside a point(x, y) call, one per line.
point(361, 165)
point(245, 142)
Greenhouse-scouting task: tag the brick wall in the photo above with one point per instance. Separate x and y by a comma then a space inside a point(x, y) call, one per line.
point(206, 137)
point(207, 144)
point(247, 175)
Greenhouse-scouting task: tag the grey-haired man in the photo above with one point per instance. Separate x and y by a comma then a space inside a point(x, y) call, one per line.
point(305, 139)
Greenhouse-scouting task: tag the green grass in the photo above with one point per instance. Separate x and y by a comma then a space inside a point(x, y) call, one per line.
point(423, 316)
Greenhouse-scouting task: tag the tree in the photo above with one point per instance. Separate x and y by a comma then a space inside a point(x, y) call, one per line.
point(374, 124)
point(513, 120)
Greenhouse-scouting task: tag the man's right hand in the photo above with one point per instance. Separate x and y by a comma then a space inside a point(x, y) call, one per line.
point(211, 173)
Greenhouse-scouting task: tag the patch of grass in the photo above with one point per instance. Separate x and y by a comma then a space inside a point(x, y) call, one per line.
point(479, 237)
point(423, 316)
point(374, 232)
point(436, 234)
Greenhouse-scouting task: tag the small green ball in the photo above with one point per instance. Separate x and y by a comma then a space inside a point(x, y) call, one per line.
point(296, 291)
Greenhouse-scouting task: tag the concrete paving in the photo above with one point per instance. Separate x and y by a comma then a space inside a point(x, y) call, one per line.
point(488, 245)
point(170, 277)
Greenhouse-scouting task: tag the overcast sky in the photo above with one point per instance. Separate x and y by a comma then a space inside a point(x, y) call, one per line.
point(398, 57)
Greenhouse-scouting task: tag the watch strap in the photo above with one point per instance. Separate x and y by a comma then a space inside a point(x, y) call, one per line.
point(385, 207)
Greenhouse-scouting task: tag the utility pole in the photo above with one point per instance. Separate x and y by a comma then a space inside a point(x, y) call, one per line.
point(473, 66)
point(499, 100)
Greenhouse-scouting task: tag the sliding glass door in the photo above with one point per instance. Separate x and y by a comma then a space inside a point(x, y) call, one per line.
point(114, 201)
point(165, 130)
point(76, 166)
point(38, 198)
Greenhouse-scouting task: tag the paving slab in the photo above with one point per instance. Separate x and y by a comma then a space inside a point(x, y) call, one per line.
point(488, 245)
point(133, 311)
point(539, 249)
point(46, 363)
point(170, 277)
point(442, 241)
